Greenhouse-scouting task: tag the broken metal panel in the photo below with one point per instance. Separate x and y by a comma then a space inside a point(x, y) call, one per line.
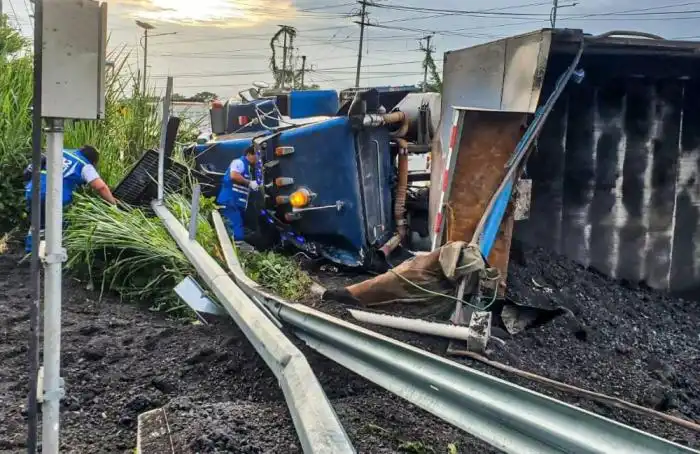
point(192, 294)
point(486, 144)
point(502, 75)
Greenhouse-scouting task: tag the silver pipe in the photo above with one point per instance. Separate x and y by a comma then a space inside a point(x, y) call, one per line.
point(54, 258)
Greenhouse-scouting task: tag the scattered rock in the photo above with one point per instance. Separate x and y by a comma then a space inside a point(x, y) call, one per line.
point(164, 385)
point(203, 355)
point(236, 405)
point(662, 370)
point(139, 404)
point(94, 351)
point(89, 330)
point(623, 349)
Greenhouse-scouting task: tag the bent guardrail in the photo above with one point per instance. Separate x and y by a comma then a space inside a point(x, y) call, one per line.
point(315, 420)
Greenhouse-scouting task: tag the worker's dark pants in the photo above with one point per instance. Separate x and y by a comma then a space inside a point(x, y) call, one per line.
point(233, 218)
point(42, 225)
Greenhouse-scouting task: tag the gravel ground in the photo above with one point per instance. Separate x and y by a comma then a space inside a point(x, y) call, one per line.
point(119, 360)
point(629, 342)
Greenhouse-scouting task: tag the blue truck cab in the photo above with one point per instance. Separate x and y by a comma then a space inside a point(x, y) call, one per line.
point(326, 186)
point(328, 169)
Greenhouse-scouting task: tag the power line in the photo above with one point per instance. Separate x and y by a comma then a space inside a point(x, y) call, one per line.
point(245, 73)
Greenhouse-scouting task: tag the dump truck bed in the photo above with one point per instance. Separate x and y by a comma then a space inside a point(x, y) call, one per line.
point(614, 173)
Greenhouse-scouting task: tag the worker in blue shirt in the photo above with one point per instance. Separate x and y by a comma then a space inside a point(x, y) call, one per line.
point(236, 184)
point(78, 169)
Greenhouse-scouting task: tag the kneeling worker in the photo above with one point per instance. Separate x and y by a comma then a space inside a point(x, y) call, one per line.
point(78, 169)
point(235, 187)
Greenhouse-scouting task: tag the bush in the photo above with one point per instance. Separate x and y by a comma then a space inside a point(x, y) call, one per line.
point(128, 251)
point(130, 126)
point(16, 91)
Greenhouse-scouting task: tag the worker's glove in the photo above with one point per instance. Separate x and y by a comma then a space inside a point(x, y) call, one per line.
point(253, 185)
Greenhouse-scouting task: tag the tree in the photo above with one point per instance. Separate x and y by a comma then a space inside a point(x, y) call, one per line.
point(179, 97)
point(11, 41)
point(435, 83)
point(203, 96)
point(283, 76)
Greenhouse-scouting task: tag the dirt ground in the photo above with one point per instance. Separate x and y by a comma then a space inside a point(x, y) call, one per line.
point(625, 341)
point(119, 360)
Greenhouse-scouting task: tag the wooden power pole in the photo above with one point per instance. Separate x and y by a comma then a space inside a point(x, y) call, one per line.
point(363, 22)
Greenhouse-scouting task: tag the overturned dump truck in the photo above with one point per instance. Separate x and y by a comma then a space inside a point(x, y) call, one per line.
point(335, 186)
point(614, 170)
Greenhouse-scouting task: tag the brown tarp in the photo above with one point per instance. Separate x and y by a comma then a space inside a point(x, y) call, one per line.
point(420, 279)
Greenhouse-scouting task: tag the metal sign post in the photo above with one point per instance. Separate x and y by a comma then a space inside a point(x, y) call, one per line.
point(34, 308)
point(53, 263)
point(72, 60)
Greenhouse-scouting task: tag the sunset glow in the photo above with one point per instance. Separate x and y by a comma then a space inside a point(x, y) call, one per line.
point(233, 13)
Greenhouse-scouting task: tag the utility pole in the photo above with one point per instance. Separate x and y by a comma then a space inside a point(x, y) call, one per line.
point(553, 14)
point(303, 70)
point(284, 61)
point(145, 59)
point(145, 26)
point(428, 55)
point(363, 22)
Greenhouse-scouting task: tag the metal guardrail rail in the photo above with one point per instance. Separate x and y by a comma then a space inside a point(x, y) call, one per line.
point(316, 422)
point(506, 416)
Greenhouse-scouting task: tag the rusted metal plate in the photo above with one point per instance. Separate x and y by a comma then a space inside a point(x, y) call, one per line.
point(487, 142)
point(437, 168)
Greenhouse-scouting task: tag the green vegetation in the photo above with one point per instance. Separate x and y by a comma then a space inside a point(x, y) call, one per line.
point(15, 123)
point(131, 124)
point(277, 272)
point(128, 251)
point(122, 249)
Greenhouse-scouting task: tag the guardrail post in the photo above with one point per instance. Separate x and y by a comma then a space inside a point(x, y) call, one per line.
point(194, 211)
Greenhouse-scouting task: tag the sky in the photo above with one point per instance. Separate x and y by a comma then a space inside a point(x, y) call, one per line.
point(222, 46)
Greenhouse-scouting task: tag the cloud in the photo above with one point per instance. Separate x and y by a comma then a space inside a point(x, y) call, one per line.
point(217, 13)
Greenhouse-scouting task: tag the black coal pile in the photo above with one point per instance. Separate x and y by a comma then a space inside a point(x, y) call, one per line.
point(119, 360)
point(639, 344)
point(626, 341)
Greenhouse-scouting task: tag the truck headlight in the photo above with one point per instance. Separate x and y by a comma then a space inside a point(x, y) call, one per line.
point(300, 198)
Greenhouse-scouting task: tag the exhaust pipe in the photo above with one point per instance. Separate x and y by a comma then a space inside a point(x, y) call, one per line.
point(399, 201)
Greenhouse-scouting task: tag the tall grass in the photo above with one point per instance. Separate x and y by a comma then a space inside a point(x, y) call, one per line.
point(16, 90)
point(130, 126)
point(124, 250)
point(128, 251)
